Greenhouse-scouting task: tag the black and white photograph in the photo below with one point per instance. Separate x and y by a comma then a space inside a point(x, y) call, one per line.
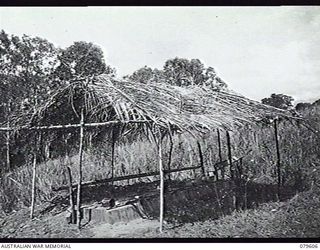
point(160, 123)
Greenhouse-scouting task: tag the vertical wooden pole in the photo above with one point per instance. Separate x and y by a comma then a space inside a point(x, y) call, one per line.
point(112, 158)
point(278, 155)
point(157, 136)
point(80, 170)
point(8, 139)
point(220, 155)
point(73, 216)
point(236, 195)
point(255, 138)
point(219, 145)
point(34, 169)
point(201, 159)
point(230, 154)
point(33, 191)
point(170, 154)
point(161, 182)
point(116, 132)
point(8, 149)
point(240, 167)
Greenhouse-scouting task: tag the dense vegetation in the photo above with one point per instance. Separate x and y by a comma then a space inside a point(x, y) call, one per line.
point(295, 218)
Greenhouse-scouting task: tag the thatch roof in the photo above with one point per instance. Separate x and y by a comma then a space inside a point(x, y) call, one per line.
point(185, 109)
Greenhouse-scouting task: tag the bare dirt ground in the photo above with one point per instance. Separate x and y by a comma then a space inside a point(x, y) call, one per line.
point(134, 229)
point(19, 225)
point(296, 217)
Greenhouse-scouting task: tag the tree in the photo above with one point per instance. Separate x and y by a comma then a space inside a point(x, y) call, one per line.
point(316, 103)
point(302, 106)
point(143, 75)
point(212, 79)
point(146, 75)
point(183, 72)
point(25, 66)
point(279, 101)
point(81, 59)
point(180, 72)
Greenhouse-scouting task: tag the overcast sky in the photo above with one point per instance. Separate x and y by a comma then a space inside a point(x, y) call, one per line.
point(256, 50)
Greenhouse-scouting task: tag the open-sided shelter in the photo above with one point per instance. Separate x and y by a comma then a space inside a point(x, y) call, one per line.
point(156, 108)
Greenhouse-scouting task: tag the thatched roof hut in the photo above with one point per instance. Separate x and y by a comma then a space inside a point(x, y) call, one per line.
point(103, 101)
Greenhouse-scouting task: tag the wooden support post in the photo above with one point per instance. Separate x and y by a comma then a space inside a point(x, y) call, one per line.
point(161, 170)
point(80, 170)
point(112, 157)
point(8, 149)
point(158, 138)
point(116, 132)
point(8, 139)
point(72, 211)
point(34, 170)
point(216, 173)
point(201, 159)
point(33, 188)
point(170, 154)
point(240, 167)
point(255, 138)
point(220, 155)
point(236, 182)
point(230, 154)
point(278, 156)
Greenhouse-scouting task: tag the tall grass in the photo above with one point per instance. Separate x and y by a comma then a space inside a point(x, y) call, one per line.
point(300, 154)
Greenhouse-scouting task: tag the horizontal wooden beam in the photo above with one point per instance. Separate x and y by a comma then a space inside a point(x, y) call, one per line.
point(221, 164)
point(127, 177)
point(53, 127)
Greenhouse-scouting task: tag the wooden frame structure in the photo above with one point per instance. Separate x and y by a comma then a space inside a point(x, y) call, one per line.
point(161, 108)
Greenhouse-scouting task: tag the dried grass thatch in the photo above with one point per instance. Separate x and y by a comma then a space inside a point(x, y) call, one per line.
point(194, 108)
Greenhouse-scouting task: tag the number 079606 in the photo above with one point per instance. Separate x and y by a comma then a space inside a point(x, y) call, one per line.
point(308, 245)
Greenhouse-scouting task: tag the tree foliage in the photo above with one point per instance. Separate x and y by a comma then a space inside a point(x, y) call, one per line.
point(184, 72)
point(81, 59)
point(146, 75)
point(180, 72)
point(302, 106)
point(280, 101)
point(25, 66)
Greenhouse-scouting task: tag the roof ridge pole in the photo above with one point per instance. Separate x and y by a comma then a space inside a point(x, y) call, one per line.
point(80, 170)
point(275, 124)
